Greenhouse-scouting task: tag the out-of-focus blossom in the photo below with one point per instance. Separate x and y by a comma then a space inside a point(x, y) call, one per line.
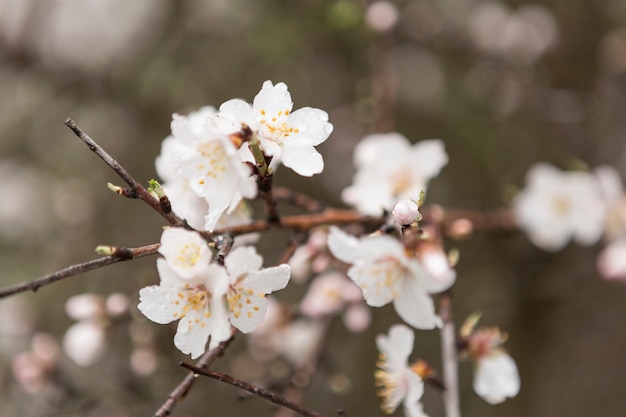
point(205, 297)
point(144, 361)
point(84, 342)
point(558, 206)
point(523, 35)
point(397, 381)
point(328, 293)
point(495, 373)
point(612, 260)
point(610, 184)
point(385, 272)
point(311, 257)
point(381, 16)
point(357, 317)
point(389, 169)
point(296, 341)
point(85, 307)
point(32, 368)
point(287, 137)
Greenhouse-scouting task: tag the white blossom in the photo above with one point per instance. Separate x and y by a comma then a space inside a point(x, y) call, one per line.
point(397, 381)
point(84, 342)
point(558, 206)
point(385, 273)
point(389, 169)
point(205, 297)
point(496, 377)
point(287, 137)
point(209, 166)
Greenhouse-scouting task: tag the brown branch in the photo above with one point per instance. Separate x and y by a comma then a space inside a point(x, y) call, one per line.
point(181, 390)
point(119, 255)
point(268, 395)
point(138, 189)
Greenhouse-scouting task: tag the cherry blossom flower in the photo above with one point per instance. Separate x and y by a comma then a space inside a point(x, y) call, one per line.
point(389, 169)
point(558, 206)
point(397, 381)
point(283, 135)
point(495, 373)
point(496, 377)
point(84, 342)
point(209, 166)
point(205, 297)
point(612, 260)
point(185, 202)
point(327, 294)
point(385, 273)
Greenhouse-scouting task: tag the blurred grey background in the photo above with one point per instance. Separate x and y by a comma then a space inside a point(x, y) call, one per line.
point(504, 84)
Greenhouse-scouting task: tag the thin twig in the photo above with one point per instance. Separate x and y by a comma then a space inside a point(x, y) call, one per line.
point(296, 240)
point(135, 186)
point(449, 358)
point(268, 395)
point(120, 255)
point(181, 390)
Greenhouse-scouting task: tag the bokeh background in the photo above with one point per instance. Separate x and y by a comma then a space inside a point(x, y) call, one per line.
point(504, 83)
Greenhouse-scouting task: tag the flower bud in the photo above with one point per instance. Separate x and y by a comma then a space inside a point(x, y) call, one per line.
point(406, 212)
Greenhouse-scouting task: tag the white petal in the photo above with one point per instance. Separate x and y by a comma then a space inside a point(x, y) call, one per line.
point(232, 114)
point(343, 246)
point(496, 378)
point(416, 307)
point(268, 280)
point(429, 157)
point(219, 324)
point(303, 159)
point(191, 336)
point(312, 124)
point(381, 281)
point(185, 252)
point(398, 345)
point(157, 303)
point(272, 99)
point(241, 261)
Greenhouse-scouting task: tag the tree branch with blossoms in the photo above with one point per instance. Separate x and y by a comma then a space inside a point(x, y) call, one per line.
point(389, 248)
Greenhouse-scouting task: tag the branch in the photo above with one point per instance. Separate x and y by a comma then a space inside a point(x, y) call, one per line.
point(135, 186)
point(181, 390)
point(119, 255)
point(268, 395)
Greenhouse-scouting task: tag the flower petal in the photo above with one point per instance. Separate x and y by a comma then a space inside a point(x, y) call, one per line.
point(241, 261)
point(496, 378)
point(303, 159)
point(416, 307)
point(312, 125)
point(157, 303)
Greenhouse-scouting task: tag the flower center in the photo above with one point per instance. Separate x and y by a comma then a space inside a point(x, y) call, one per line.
point(188, 256)
point(240, 299)
point(195, 302)
point(275, 126)
point(213, 155)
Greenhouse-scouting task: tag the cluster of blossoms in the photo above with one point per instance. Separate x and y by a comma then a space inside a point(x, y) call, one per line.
point(206, 297)
point(557, 206)
point(206, 163)
point(215, 160)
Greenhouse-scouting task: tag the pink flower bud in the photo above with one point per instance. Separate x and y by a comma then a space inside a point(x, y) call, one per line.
point(406, 212)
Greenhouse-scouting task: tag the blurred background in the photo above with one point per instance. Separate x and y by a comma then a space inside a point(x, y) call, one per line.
point(504, 83)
